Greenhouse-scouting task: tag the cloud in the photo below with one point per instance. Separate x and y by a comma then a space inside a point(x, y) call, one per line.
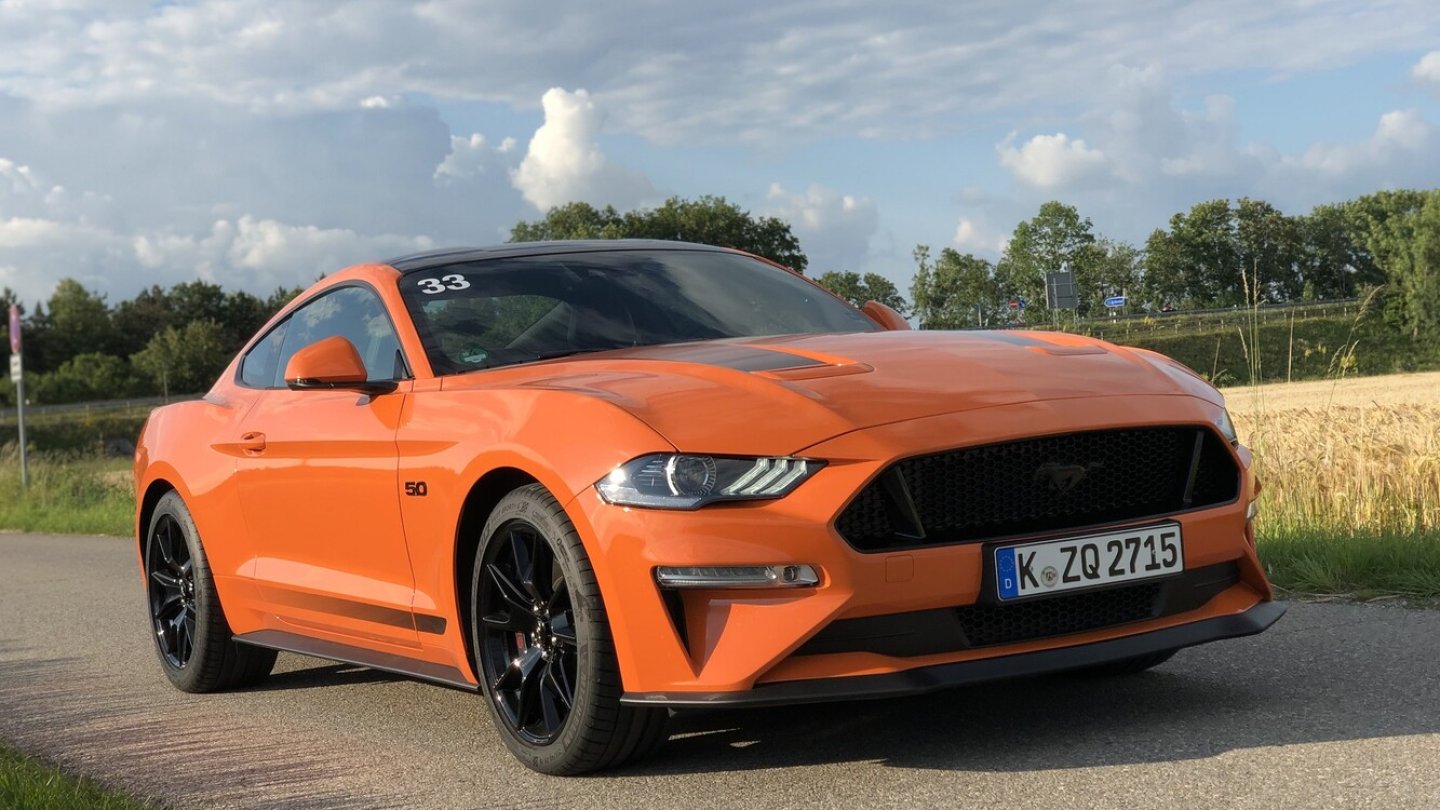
point(564, 163)
point(474, 156)
point(748, 71)
point(266, 253)
point(1428, 68)
point(977, 236)
point(834, 229)
point(1401, 139)
point(1053, 161)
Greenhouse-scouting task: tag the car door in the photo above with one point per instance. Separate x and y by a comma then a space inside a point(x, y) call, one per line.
point(317, 481)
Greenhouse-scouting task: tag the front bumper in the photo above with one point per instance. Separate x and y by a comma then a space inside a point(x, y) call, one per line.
point(944, 676)
point(687, 647)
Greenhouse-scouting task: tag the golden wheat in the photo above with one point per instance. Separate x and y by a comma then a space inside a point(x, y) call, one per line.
point(1359, 456)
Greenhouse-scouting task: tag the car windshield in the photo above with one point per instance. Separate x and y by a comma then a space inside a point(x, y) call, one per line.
point(496, 312)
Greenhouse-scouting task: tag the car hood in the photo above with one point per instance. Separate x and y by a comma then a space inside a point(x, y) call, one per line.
point(779, 395)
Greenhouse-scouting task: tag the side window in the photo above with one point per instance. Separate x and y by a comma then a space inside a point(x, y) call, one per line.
point(257, 367)
point(355, 314)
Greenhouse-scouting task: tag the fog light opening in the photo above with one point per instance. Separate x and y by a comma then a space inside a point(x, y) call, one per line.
point(737, 576)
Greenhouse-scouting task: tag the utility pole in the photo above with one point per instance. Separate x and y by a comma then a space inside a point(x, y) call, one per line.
point(17, 373)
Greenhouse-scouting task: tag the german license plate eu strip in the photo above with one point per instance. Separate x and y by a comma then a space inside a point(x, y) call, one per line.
point(1055, 566)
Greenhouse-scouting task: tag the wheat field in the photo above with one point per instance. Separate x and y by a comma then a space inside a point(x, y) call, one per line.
point(1351, 476)
point(1361, 454)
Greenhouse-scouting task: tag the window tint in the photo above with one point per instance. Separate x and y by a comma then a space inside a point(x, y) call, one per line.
point(355, 314)
point(497, 312)
point(257, 368)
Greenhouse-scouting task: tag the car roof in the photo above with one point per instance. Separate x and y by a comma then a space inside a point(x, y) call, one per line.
point(416, 262)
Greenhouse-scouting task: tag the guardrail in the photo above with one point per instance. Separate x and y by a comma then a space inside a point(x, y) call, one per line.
point(101, 405)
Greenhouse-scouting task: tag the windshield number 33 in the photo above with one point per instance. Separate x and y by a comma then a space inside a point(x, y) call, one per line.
point(435, 286)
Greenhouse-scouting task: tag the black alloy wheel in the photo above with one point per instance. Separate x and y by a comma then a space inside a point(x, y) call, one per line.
point(198, 653)
point(171, 575)
point(543, 651)
point(529, 644)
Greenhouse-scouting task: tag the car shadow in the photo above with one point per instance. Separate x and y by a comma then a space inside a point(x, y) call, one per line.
point(323, 675)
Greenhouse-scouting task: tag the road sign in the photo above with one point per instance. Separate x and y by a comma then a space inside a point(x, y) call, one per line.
point(14, 329)
point(1060, 290)
point(1014, 303)
point(1115, 301)
point(16, 372)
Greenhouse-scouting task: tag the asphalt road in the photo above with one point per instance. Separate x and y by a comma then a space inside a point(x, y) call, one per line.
point(1336, 706)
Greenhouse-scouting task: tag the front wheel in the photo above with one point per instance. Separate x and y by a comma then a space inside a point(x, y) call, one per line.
point(192, 637)
point(543, 648)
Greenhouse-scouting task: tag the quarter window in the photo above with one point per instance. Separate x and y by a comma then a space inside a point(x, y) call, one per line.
point(354, 313)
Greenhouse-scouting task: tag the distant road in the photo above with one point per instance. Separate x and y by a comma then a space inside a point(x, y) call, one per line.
point(1337, 706)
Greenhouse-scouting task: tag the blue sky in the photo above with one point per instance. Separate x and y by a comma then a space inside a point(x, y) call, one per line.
point(259, 143)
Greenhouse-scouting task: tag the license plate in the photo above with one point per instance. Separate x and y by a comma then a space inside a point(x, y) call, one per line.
point(1054, 566)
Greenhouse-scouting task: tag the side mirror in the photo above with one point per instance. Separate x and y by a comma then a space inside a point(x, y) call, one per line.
point(332, 363)
point(885, 316)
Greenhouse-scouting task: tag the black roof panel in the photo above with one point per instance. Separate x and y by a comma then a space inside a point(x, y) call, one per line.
point(416, 262)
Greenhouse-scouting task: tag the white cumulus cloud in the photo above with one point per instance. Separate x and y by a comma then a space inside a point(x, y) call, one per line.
point(474, 156)
point(1428, 68)
point(1053, 161)
point(977, 236)
point(834, 229)
point(564, 163)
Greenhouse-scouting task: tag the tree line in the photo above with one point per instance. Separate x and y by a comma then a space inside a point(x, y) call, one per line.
point(1220, 253)
point(79, 348)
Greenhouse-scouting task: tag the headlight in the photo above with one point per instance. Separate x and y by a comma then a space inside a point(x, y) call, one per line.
point(1227, 427)
point(679, 481)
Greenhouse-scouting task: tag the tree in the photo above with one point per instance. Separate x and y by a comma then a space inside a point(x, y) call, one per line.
point(1334, 262)
point(78, 323)
point(1269, 253)
point(1113, 268)
point(708, 220)
point(141, 318)
point(1055, 238)
point(84, 378)
point(1164, 281)
point(956, 290)
point(1401, 230)
point(576, 220)
point(858, 289)
point(185, 360)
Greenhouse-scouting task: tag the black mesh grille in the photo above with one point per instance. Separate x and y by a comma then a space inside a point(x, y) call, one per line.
point(1038, 485)
point(989, 623)
point(1000, 624)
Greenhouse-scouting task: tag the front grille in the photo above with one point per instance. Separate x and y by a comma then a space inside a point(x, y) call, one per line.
point(985, 625)
point(941, 630)
point(1039, 485)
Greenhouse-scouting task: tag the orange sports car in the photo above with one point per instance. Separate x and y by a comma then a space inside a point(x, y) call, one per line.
point(598, 481)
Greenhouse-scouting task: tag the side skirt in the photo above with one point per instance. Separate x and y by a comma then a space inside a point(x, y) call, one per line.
point(346, 654)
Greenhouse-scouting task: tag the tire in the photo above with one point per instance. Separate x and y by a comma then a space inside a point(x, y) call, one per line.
point(196, 648)
point(1130, 666)
point(543, 650)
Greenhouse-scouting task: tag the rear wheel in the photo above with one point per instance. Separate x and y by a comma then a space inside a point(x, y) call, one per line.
point(196, 649)
point(543, 648)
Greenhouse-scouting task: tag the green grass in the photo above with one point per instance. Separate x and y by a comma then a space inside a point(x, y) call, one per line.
point(85, 431)
point(29, 785)
point(68, 494)
point(1361, 565)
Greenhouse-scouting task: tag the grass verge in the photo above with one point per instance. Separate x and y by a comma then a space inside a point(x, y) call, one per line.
point(68, 494)
point(1363, 566)
point(29, 785)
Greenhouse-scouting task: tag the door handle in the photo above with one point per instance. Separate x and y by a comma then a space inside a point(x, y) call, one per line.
point(252, 443)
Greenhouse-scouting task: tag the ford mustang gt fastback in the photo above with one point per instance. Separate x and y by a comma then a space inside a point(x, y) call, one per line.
point(599, 481)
